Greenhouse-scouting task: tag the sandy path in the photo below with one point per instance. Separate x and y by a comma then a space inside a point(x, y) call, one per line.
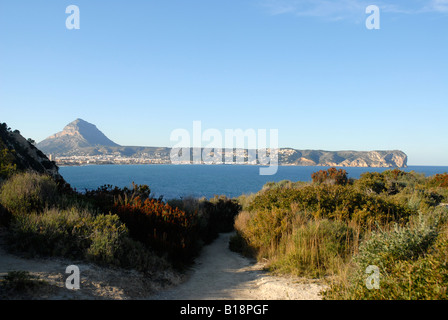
point(96, 283)
point(220, 274)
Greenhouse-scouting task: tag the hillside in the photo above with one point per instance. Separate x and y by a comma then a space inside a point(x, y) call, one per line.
point(82, 139)
point(17, 153)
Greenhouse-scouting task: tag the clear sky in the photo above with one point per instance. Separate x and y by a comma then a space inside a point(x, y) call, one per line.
point(309, 68)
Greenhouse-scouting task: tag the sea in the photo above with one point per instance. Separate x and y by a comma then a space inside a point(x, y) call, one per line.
point(180, 181)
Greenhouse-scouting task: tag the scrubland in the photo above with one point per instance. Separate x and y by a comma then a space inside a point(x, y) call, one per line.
point(332, 228)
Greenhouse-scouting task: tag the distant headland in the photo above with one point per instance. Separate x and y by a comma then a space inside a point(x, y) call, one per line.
point(81, 142)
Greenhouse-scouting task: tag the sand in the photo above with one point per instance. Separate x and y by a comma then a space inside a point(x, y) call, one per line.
point(218, 274)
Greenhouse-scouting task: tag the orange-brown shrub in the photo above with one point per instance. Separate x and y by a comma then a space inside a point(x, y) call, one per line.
point(162, 227)
point(439, 180)
point(332, 176)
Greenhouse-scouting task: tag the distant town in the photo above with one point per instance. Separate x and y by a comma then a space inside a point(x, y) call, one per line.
point(239, 157)
point(104, 159)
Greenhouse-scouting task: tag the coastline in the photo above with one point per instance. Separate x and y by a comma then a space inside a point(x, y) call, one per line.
point(227, 164)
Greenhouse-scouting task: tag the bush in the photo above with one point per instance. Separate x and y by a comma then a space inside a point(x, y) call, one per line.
point(410, 267)
point(27, 192)
point(214, 216)
point(343, 203)
point(314, 229)
point(217, 216)
point(161, 227)
point(371, 183)
point(78, 234)
point(7, 165)
point(239, 242)
point(389, 182)
point(293, 241)
point(105, 197)
point(330, 176)
point(424, 199)
point(316, 248)
point(399, 244)
point(439, 180)
point(106, 239)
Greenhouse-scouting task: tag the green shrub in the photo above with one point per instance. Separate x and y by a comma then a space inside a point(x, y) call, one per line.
point(425, 278)
point(422, 199)
point(106, 238)
point(343, 203)
point(78, 234)
point(389, 182)
point(316, 248)
point(399, 244)
point(7, 165)
point(293, 241)
point(410, 266)
point(27, 192)
point(315, 230)
point(51, 232)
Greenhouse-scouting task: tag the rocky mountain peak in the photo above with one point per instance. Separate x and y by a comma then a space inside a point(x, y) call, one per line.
point(77, 134)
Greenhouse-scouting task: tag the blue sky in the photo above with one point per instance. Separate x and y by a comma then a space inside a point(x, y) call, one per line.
point(309, 68)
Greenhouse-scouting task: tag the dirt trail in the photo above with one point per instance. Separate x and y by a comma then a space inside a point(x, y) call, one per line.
point(96, 282)
point(218, 274)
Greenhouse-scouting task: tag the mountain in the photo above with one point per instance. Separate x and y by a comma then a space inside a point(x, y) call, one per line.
point(20, 153)
point(82, 139)
point(377, 158)
point(77, 135)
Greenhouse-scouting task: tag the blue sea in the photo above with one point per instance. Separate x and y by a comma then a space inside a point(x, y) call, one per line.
point(174, 181)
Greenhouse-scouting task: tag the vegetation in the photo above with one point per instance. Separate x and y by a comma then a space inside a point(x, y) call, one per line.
point(20, 282)
point(54, 228)
point(214, 216)
point(176, 228)
point(335, 227)
point(332, 228)
point(125, 227)
point(412, 264)
point(331, 176)
point(167, 230)
point(7, 165)
point(28, 191)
